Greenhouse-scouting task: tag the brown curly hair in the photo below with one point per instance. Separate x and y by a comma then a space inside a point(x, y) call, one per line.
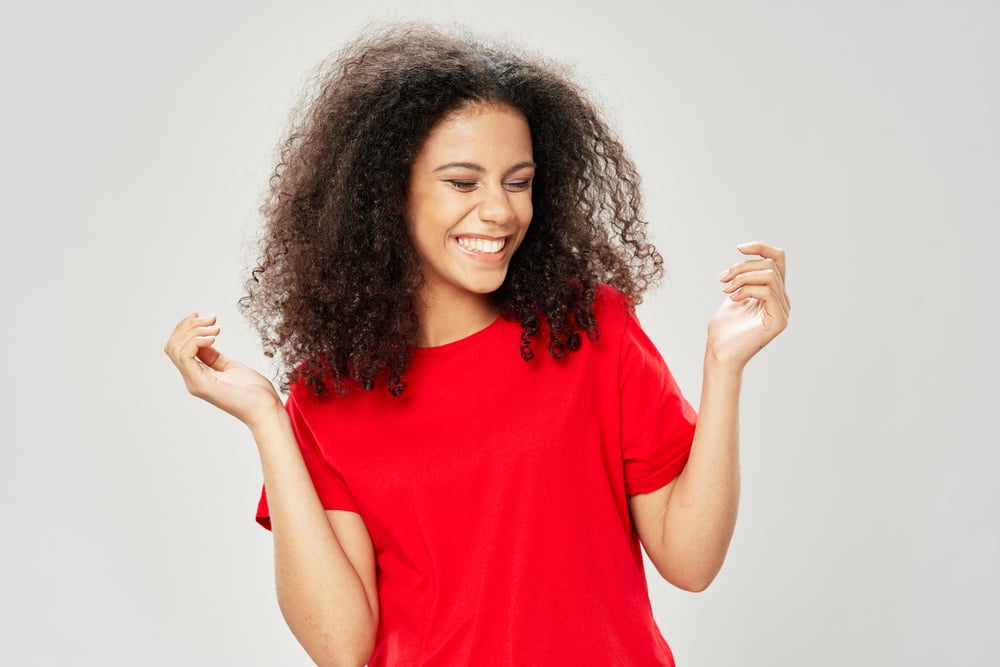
point(333, 290)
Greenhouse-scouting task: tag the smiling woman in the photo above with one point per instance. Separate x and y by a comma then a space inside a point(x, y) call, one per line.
point(440, 208)
point(468, 212)
point(342, 192)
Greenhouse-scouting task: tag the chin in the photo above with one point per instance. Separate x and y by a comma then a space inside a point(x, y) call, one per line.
point(485, 286)
point(485, 289)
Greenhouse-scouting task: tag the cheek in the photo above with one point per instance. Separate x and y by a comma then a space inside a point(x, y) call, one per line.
point(419, 232)
point(526, 212)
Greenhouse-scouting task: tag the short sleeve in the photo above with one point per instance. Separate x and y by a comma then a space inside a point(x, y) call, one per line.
point(330, 486)
point(657, 421)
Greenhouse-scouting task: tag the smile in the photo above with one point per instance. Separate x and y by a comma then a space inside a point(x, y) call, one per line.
point(482, 246)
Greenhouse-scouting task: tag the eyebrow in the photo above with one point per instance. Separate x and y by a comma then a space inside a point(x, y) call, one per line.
point(476, 167)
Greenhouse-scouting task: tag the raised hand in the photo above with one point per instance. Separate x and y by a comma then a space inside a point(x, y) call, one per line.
point(223, 382)
point(756, 310)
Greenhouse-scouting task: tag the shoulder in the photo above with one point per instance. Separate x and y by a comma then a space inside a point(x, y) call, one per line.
point(606, 296)
point(302, 393)
point(619, 324)
point(612, 308)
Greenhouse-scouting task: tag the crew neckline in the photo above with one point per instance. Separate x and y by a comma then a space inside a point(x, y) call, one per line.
point(459, 343)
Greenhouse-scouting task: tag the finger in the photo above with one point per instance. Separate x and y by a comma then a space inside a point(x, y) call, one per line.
point(764, 250)
point(192, 334)
point(207, 331)
point(183, 332)
point(187, 355)
point(768, 276)
point(747, 266)
point(186, 342)
point(198, 368)
point(212, 358)
point(190, 322)
point(768, 279)
point(206, 321)
point(774, 303)
point(194, 319)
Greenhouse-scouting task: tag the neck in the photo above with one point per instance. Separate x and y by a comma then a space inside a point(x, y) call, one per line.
point(444, 320)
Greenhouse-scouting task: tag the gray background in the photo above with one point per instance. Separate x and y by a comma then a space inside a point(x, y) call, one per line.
point(861, 136)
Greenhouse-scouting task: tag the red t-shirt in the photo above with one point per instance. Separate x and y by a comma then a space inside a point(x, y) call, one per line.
point(495, 489)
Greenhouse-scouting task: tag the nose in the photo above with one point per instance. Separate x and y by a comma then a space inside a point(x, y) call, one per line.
point(495, 207)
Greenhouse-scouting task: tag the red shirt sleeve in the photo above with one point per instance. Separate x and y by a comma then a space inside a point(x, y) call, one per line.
point(330, 486)
point(657, 422)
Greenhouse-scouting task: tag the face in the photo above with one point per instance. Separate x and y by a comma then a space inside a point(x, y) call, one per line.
point(469, 202)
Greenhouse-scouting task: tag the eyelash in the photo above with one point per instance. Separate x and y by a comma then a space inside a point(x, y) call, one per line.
point(467, 186)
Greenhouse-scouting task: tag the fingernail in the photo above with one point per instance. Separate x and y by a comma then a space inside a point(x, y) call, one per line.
point(743, 246)
point(724, 275)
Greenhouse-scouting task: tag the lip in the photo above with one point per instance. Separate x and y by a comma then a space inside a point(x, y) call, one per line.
point(488, 259)
point(485, 237)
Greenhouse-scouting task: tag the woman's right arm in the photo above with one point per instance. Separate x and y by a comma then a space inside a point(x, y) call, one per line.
point(324, 560)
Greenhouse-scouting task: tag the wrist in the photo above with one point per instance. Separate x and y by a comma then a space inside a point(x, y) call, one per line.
point(268, 422)
point(721, 384)
point(719, 366)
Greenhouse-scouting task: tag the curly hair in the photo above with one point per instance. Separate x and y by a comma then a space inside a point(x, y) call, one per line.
point(334, 287)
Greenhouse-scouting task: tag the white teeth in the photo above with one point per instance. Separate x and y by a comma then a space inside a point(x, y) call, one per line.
point(485, 246)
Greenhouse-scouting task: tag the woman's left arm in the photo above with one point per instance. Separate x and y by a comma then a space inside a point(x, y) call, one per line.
point(686, 526)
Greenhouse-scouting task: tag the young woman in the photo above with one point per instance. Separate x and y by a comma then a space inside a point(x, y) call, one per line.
point(478, 434)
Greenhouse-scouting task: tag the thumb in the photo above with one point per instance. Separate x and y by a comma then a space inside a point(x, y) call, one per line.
point(212, 358)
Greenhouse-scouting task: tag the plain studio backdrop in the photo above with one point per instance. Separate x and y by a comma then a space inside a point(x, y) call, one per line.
point(863, 137)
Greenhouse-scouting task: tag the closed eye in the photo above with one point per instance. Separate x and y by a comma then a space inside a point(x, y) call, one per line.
point(463, 185)
point(518, 186)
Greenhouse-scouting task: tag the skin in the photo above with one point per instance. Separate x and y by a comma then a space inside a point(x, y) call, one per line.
point(686, 526)
point(323, 560)
point(472, 179)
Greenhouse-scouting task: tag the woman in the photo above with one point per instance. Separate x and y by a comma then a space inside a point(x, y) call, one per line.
point(478, 434)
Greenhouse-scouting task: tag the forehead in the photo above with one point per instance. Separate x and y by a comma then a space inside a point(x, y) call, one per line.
point(479, 131)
